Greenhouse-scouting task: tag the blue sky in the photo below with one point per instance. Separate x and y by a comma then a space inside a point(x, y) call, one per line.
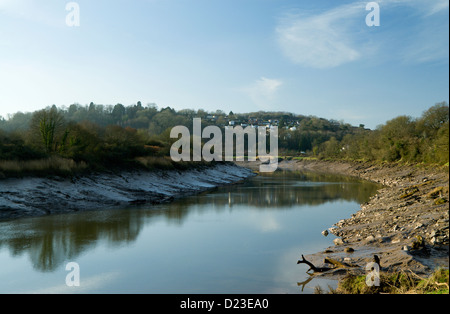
point(306, 57)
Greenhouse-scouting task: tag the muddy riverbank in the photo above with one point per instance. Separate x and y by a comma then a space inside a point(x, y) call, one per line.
point(406, 223)
point(36, 196)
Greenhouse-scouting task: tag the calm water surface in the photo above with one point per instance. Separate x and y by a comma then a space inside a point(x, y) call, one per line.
point(244, 238)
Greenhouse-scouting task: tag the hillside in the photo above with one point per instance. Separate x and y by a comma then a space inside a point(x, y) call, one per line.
point(103, 135)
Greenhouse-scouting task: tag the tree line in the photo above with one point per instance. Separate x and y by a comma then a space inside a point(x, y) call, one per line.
point(415, 140)
point(114, 134)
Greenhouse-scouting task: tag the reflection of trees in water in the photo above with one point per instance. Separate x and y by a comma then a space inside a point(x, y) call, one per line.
point(51, 240)
point(288, 189)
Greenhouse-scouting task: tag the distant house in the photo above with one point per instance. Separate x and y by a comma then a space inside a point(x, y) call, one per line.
point(231, 122)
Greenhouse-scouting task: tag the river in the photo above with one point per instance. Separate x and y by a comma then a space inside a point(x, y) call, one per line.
point(242, 238)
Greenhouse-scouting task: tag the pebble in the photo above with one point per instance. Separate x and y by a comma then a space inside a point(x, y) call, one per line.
point(338, 241)
point(370, 238)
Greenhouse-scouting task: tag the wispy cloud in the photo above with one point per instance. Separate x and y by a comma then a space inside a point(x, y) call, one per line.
point(339, 35)
point(428, 38)
point(322, 40)
point(426, 7)
point(438, 6)
point(263, 91)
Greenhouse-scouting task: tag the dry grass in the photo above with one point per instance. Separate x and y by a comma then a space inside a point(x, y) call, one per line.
point(166, 163)
point(52, 165)
point(404, 282)
point(438, 192)
point(151, 162)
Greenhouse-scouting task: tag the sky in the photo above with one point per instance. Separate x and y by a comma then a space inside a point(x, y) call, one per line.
point(319, 58)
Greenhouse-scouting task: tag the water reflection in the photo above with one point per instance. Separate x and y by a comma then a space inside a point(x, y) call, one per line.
point(49, 241)
point(284, 189)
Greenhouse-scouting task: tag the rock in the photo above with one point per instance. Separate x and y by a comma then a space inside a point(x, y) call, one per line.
point(384, 239)
point(349, 250)
point(388, 223)
point(325, 233)
point(332, 229)
point(338, 241)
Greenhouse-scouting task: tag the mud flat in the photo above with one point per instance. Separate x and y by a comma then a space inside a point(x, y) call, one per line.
point(35, 196)
point(406, 224)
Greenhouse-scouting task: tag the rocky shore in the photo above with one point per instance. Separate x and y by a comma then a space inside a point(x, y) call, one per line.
point(35, 196)
point(406, 224)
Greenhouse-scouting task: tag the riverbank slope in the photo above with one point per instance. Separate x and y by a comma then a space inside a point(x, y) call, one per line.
point(37, 196)
point(406, 223)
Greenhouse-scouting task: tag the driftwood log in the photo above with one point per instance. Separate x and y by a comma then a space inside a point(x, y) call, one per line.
point(327, 260)
point(312, 267)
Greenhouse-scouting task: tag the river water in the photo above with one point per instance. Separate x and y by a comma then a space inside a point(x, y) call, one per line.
point(244, 238)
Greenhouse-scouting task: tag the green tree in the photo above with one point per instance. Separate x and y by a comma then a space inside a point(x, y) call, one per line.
point(331, 148)
point(398, 137)
point(48, 124)
point(442, 144)
point(118, 113)
point(433, 119)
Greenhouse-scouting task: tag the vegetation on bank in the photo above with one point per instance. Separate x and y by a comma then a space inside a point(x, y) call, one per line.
point(395, 283)
point(406, 139)
point(78, 138)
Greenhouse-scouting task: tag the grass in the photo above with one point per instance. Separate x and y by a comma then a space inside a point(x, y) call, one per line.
point(59, 166)
point(151, 162)
point(396, 283)
point(53, 165)
point(166, 163)
point(305, 158)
